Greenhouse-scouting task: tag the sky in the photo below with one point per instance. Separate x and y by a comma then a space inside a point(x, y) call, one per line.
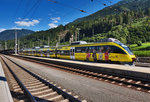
point(40, 15)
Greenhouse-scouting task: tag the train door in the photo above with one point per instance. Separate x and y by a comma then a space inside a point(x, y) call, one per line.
point(33, 52)
point(56, 52)
point(36, 52)
point(48, 55)
point(41, 52)
point(72, 53)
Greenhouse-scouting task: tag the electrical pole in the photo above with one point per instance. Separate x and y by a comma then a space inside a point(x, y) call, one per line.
point(92, 31)
point(5, 45)
point(71, 39)
point(48, 41)
point(18, 46)
point(59, 39)
point(15, 41)
point(0, 46)
point(78, 34)
point(33, 44)
point(39, 42)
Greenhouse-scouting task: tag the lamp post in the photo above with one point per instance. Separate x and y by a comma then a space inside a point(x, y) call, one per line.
point(18, 46)
point(15, 42)
point(39, 42)
point(78, 30)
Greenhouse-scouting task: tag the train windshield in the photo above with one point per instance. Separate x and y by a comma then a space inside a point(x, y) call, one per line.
point(127, 49)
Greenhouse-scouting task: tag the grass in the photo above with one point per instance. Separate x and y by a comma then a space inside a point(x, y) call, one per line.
point(145, 46)
point(141, 51)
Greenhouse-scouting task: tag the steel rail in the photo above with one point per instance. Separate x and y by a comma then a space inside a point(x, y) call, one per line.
point(59, 91)
point(27, 93)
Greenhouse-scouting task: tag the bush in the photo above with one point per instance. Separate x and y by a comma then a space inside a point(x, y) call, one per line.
point(139, 43)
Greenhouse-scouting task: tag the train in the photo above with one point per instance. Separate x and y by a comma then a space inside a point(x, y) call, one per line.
point(110, 50)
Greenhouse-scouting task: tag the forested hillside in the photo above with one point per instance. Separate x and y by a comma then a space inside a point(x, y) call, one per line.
point(122, 6)
point(130, 26)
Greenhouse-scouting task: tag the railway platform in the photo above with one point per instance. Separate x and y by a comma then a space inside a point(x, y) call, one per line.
point(114, 69)
point(5, 95)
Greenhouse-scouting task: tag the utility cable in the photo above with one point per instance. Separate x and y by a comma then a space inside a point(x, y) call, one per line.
point(68, 6)
point(35, 9)
point(36, 3)
point(17, 9)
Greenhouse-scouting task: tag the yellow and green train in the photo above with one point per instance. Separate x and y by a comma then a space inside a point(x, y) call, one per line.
point(102, 51)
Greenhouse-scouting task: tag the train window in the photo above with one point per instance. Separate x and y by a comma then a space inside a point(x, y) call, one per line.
point(51, 52)
point(61, 52)
point(33, 52)
point(128, 50)
point(45, 52)
point(83, 49)
point(86, 49)
point(114, 49)
point(100, 49)
point(90, 49)
point(65, 52)
point(58, 51)
point(80, 49)
point(104, 48)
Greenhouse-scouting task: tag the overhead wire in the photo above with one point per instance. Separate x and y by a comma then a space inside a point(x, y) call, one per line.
point(35, 9)
point(36, 3)
point(71, 11)
point(74, 7)
point(27, 5)
point(68, 6)
point(104, 4)
point(17, 9)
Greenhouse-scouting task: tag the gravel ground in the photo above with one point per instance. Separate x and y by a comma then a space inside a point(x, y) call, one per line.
point(90, 89)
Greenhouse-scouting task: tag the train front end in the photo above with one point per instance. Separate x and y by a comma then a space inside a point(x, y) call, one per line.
point(131, 57)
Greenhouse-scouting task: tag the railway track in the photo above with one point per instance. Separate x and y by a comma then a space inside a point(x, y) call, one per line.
point(28, 86)
point(125, 81)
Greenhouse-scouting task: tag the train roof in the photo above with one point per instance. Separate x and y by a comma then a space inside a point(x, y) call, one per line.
point(81, 43)
point(78, 42)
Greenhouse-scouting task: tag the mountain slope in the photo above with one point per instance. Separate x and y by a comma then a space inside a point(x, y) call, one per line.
point(10, 34)
point(122, 6)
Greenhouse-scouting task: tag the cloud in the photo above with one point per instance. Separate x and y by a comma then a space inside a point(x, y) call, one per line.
point(55, 18)
point(54, 21)
point(2, 29)
point(27, 23)
point(52, 25)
